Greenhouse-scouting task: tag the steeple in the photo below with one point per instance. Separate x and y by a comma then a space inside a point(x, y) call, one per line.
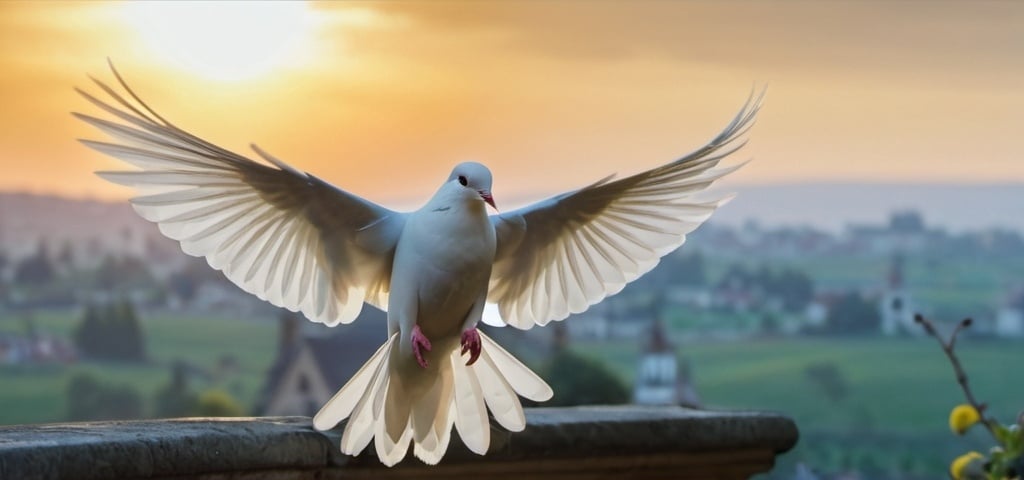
point(289, 331)
point(896, 272)
point(658, 341)
point(559, 337)
point(896, 306)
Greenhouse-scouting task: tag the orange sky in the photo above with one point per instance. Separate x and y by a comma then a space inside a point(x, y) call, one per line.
point(383, 98)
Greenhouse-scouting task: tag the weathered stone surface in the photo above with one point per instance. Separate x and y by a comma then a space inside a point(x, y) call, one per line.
point(660, 442)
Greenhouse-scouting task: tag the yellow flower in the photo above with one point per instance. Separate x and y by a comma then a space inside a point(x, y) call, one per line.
point(962, 417)
point(966, 466)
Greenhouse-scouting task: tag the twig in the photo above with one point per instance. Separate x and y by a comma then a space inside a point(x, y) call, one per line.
point(961, 376)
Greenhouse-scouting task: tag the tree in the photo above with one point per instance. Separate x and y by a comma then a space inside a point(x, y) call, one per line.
point(132, 342)
point(187, 281)
point(852, 314)
point(111, 332)
point(66, 257)
point(35, 270)
point(218, 403)
point(770, 324)
point(183, 285)
point(84, 334)
point(578, 380)
point(175, 399)
point(690, 270)
point(29, 323)
point(795, 289)
point(736, 276)
point(126, 272)
point(829, 379)
point(89, 399)
point(763, 279)
point(83, 394)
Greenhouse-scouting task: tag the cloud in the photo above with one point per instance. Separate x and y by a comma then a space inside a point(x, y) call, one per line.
point(573, 90)
point(977, 41)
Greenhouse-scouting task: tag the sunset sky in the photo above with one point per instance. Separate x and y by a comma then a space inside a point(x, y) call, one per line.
point(383, 98)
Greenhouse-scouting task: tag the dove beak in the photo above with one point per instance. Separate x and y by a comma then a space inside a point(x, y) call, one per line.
point(486, 195)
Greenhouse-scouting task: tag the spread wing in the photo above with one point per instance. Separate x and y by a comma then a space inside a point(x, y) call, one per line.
point(561, 255)
point(278, 233)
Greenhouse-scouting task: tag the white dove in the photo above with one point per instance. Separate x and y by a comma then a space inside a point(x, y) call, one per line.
point(299, 243)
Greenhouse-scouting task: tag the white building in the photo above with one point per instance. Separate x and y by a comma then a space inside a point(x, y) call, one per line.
point(896, 307)
point(1010, 322)
point(1010, 318)
point(660, 379)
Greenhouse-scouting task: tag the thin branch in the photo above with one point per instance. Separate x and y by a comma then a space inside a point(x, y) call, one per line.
point(961, 376)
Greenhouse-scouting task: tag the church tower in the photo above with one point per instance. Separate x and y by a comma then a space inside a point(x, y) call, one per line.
point(895, 306)
point(661, 379)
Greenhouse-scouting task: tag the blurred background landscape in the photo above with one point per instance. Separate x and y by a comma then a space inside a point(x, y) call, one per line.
point(887, 181)
point(103, 318)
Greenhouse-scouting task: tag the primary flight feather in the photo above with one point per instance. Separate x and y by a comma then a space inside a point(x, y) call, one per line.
point(299, 243)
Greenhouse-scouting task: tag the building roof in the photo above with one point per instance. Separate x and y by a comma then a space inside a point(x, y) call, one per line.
point(340, 354)
point(337, 355)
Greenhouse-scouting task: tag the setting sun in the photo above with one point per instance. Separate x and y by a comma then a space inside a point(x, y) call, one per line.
point(224, 41)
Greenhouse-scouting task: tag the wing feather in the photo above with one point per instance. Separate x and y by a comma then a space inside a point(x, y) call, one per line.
point(278, 233)
point(561, 255)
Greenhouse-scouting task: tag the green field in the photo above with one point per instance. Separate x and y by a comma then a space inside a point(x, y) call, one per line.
point(892, 417)
point(35, 393)
point(900, 385)
point(894, 414)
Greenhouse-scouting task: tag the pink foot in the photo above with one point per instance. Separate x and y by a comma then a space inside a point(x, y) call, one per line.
point(471, 344)
point(419, 343)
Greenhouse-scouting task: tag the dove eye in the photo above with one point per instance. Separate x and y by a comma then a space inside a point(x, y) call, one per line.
point(462, 180)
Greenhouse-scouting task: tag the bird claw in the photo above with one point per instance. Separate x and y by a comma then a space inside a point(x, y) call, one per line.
point(419, 343)
point(471, 344)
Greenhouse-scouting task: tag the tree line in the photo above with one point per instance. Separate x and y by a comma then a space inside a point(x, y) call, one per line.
point(110, 332)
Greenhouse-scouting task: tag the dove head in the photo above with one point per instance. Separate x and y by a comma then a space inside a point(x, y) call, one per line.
point(474, 179)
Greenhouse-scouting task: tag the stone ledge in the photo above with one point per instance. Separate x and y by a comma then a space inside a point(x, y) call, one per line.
point(581, 442)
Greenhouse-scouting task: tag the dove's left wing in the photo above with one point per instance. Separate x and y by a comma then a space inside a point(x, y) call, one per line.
point(561, 255)
point(280, 234)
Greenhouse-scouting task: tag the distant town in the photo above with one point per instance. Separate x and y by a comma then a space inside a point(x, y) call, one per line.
point(101, 317)
point(726, 282)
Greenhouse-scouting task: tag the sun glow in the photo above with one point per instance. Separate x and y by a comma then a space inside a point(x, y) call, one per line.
point(225, 41)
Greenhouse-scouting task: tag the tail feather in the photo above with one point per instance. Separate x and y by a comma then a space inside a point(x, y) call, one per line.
point(519, 376)
point(426, 409)
point(361, 426)
point(343, 402)
point(501, 399)
point(470, 412)
point(389, 451)
point(397, 409)
point(431, 450)
point(443, 429)
point(395, 413)
point(439, 415)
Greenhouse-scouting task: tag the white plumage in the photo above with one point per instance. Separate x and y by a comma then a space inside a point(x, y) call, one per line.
point(299, 243)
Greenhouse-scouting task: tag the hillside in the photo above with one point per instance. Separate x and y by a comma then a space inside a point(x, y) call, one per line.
point(831, 206)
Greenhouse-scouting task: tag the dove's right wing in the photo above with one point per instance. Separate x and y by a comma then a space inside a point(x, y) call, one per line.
point(561, 255)
point(281, 234)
